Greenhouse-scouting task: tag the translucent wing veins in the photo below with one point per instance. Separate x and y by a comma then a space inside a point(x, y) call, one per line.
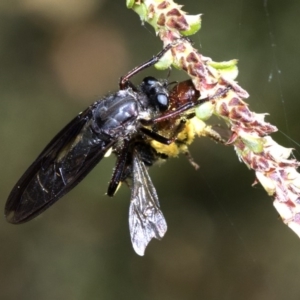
point(146, 220)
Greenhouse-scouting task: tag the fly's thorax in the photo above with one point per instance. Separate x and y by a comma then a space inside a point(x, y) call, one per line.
point(116, 113)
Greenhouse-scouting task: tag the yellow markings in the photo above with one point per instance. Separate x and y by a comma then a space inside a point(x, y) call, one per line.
point(184, 138)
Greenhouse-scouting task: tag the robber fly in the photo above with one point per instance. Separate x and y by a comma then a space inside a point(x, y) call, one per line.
point(125, 123)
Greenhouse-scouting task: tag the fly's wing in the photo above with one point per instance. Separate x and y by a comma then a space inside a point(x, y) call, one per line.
point(67, 159)
point(146, 220)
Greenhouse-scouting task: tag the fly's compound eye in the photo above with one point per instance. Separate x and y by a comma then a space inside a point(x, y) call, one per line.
point(162, 101)
point(149, 84)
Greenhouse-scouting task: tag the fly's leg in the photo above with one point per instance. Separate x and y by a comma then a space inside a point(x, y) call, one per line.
point(118, 171)
point(161, 139)
point(182, 109)
point(124, 80)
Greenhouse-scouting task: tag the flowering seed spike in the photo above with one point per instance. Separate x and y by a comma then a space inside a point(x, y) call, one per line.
point(272, 163)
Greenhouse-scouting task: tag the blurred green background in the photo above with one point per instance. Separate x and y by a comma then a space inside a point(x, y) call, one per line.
point(224, 239)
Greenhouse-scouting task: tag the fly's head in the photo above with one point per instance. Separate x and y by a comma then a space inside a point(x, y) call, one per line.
point(157, 93)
